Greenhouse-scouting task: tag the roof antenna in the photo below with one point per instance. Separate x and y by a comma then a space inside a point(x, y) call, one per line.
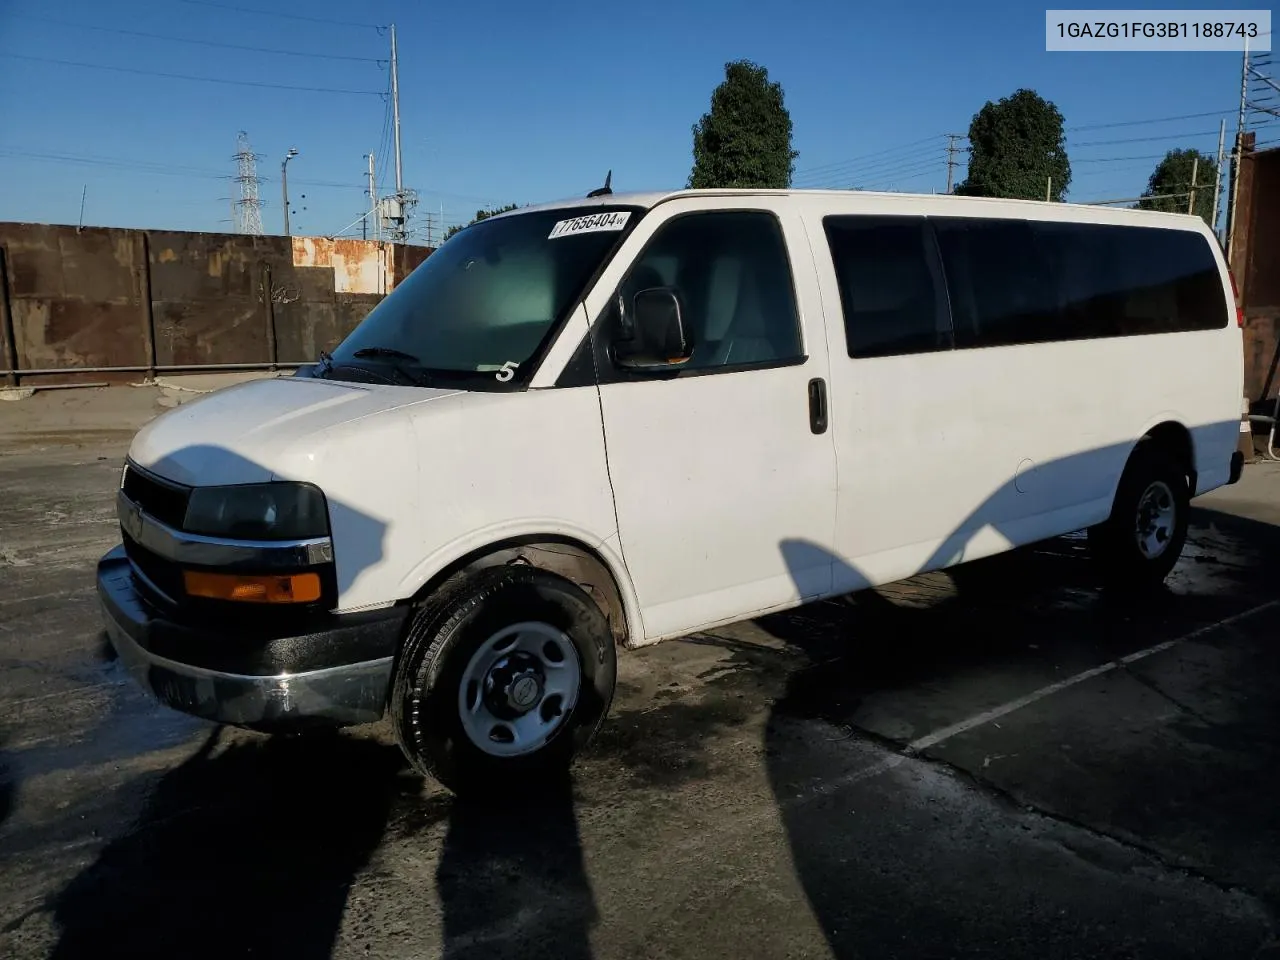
point(606, 190)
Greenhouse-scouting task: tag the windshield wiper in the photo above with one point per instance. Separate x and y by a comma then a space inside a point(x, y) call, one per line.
point(386, 352)
point(392, 354)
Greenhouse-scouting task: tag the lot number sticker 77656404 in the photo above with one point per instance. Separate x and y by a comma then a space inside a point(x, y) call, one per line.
point(594, 223)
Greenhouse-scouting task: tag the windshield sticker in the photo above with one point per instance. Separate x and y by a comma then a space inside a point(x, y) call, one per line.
point(595, 223)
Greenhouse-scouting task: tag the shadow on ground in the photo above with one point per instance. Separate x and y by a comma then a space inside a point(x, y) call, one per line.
point(511, 879)
point(244, 850)
point(8, 783)
point(1129, 819)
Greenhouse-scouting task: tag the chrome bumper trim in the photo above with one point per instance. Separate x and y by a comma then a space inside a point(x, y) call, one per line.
point(349, 694)
point(189, 548)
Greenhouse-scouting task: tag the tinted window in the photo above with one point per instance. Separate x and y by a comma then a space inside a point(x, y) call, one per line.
point(890, 288)
point(1000, 285)
point(1123, 281)
point(731, 275)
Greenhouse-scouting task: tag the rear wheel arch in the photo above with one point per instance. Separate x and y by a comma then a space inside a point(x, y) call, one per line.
point(1173, 438)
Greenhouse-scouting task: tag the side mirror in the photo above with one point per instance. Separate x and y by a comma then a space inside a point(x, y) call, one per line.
point(657, 337)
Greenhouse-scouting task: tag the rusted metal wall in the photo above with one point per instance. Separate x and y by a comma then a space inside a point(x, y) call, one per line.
point(104, 297)
point(76, 299)
point(1255, 261)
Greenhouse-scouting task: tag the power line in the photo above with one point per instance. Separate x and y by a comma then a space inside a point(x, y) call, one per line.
point(853, 170)
point(142, 166)
point(183, 76)
point(1167, 136)
point(1151, 156)
point(283, 16)
point(932, 168)
point(204, 173)
point(204, 43)
point(1136, 123)
point(867, 156)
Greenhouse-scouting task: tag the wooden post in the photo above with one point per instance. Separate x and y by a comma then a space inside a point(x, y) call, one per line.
point(6, 320)
point(270, 315)
point(148, 308)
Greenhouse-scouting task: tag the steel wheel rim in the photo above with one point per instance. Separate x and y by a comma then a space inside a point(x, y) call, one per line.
point(518, 689)
point(1156, 520)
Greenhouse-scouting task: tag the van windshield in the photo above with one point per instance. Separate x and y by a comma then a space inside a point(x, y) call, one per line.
point(478, 310)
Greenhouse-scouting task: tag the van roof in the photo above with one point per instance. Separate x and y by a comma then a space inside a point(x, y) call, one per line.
point(648, 199)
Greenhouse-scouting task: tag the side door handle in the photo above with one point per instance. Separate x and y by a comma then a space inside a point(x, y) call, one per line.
point(818, 405)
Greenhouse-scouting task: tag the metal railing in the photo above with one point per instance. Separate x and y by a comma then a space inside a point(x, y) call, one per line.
point(158, 368)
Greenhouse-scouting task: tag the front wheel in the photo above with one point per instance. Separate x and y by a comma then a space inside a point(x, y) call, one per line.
point(505, 682)
point(1141, 541)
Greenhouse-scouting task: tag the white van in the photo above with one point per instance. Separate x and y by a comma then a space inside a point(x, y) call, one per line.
point(601, 423)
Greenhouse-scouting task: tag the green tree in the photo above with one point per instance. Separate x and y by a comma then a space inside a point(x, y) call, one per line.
point(480, 215)
point(745, 138)
point(1172, 175)
point(1017, 150)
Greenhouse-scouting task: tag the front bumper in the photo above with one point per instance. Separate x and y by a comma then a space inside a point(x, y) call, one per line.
point(337, 671)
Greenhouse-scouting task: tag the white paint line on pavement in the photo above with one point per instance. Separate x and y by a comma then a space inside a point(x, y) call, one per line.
point(978, 720)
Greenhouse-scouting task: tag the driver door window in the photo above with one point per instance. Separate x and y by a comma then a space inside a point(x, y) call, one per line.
point(733, 281)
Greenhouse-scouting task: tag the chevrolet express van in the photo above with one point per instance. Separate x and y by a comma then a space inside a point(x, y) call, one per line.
point(593, 425)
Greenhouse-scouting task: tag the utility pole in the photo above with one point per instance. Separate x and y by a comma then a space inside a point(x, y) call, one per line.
point(404, 198)
point(373, 199)
point(1048, 189)
point(1239, 151)
point(1191, 197)
point(395, 105)
point(284, 185)
point(1217, 180)
point(952, 150)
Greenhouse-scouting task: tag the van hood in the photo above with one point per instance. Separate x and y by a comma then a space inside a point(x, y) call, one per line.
point(244, 433)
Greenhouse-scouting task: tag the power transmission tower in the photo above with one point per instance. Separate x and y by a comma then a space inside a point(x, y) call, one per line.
point(952, 150)
point(249, 207)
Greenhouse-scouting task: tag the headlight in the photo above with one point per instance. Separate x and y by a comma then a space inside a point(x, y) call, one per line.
point(258, 511)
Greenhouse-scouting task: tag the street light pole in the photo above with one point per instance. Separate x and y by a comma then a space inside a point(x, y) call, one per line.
point(284, 185)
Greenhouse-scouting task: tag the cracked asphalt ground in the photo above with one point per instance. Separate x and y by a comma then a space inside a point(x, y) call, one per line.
point(997, 762)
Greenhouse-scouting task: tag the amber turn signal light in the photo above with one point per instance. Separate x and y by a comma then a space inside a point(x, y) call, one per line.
point(285, 588)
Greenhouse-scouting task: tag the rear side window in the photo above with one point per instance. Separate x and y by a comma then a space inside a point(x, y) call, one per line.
point(1126, 281)
point(890, 284)
point(1001, 287)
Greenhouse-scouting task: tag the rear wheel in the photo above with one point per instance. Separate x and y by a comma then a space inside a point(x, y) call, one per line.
point(502, 684)
point(1141, 541)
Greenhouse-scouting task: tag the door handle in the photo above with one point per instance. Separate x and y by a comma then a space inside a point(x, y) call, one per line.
point(818, 405)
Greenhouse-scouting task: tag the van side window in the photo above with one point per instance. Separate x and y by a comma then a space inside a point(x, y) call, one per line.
point(732, 277)
point(890, 284)
point(1001, 288)
point(1126, 281)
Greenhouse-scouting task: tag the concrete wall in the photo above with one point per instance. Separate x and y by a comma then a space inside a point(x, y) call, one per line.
point(101, 297)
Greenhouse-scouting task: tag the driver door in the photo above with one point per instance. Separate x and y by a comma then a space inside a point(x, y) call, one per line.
point(723, 470)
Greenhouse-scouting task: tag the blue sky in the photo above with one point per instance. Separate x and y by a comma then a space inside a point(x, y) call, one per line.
point(520, 102)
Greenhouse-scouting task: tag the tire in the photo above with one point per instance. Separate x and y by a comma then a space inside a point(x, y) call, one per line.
point(462, 657)
point(1130, 560)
